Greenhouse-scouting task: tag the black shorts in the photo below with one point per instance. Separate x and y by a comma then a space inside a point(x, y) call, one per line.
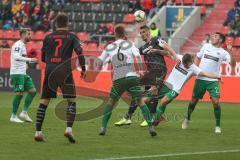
point(153, 77)
point(58, 79)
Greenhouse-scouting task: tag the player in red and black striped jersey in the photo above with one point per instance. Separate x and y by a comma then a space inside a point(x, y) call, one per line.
point(57, 51)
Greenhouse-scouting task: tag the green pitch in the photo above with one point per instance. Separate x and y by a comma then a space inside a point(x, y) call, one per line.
point(132, 142)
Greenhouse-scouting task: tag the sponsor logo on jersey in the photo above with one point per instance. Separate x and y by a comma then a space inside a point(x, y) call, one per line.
point(207, 56)
point(183, 71)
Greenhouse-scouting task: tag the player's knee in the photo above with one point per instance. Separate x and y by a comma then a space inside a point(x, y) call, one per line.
point(215, 102)
point(45, 101)
point(111, 101)
point(194, 101)
point(71, 100)
point(32, 90)
point(19, 93)
point(164, 101)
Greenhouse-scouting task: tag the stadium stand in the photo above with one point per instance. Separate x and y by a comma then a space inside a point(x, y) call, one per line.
point(213, 22)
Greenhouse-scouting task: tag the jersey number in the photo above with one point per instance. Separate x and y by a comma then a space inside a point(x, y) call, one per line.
point(120, 55)
point(59, 41)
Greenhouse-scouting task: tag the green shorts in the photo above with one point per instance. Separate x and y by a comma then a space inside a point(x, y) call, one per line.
point(130, 84)
point(164, 91)
point(201, 86)
point(21, 82)
point(170, 94)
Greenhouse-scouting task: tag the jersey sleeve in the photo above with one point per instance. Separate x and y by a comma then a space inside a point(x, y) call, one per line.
point(161, 42)
point(77, 46)
point(135, 50)
point(195, 69)
point(226, 58)
point(201, 52)
point(44, 50)
point(103, 57)
point(15, 51)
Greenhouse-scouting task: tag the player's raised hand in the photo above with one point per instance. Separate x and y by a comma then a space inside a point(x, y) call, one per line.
point(83, 74)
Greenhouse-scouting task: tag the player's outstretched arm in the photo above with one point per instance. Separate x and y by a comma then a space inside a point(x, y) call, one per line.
point(169, 49)
point(160, 51)
point(17, 57)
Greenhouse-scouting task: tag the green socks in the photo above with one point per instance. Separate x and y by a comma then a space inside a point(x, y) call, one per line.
point(107, 112)
point(146, 114)
point(191, 108)
point(28, 100)
point(217, 113)
point(159, 112)
point(16, 101)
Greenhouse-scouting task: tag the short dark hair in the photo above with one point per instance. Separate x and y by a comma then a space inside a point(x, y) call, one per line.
point(187, 58)
point(62, 20)
point(23, 31)
point(144, 27)
point(222, 36)
point(119, 31)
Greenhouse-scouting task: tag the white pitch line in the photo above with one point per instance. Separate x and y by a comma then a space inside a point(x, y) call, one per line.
point(169, 155)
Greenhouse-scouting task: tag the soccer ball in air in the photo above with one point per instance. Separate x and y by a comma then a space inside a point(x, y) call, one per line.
point(139, 15)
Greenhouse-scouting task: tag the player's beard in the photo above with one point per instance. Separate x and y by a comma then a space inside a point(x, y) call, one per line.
point(27, 39)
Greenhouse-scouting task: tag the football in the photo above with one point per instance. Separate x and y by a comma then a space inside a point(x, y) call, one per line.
point(140, 16)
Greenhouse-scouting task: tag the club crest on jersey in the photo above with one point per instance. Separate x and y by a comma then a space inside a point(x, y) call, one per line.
point(145, 51)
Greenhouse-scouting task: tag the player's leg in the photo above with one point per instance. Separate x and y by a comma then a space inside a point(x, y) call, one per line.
point(70, 117)
point(18, 87)
point(119, 86)
point(30, 88)
point(41, 111)
point(49, 91)
point(198, 92)
point(169, 95)
point(134, 89)
point(69, 93)
point(214, 92)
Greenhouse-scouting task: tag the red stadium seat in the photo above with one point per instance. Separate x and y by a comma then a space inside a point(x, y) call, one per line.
point(203, 10)
point(83, 36)
point(30, 45)
point(1, 33)
point(92, 47)
point(16, 34)
point(129, 18)
point(179, 2)
point(101, 48)
point(38, 45)
point(236, 42)
point(8, 34)
point(10, 42)
point(39, 35)
point(209, 2)
point(199, 2)
point(234, 50)
point(224, 29)
point(188, 2)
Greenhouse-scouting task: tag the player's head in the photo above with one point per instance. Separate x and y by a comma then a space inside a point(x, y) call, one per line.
point(218, 39)
point(119, 32)
point(187, 60)
point(25, 34)
point(61, 21)
point(145, 33)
